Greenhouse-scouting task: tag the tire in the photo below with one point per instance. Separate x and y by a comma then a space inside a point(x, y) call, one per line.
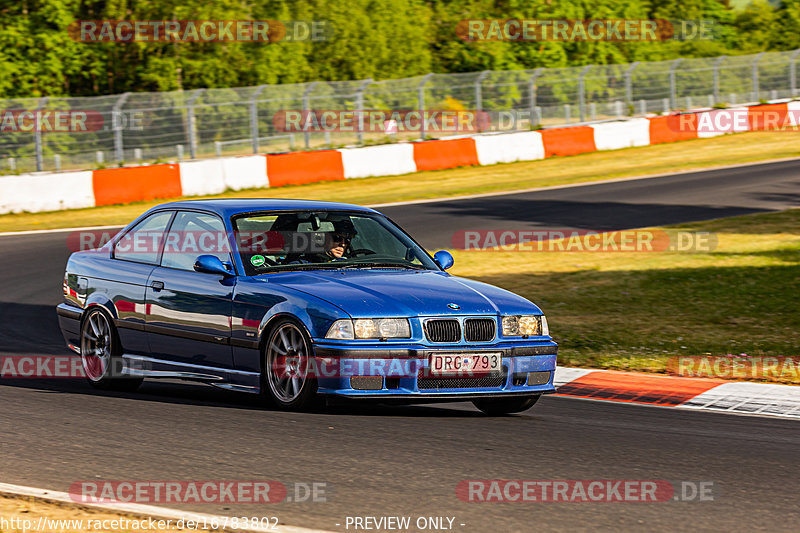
point(101, 353)
point(286, 380)
point(505, 406)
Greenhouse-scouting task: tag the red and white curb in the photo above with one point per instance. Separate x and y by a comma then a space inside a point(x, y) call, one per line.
point(150, 511)
point(763, 399)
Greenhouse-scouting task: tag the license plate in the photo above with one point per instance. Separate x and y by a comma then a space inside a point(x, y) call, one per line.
point(465, 364)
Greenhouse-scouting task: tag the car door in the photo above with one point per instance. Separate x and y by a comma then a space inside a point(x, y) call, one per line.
point(134, 256)
point(188, 318)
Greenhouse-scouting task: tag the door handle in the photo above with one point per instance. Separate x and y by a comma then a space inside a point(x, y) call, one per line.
point(157, 285)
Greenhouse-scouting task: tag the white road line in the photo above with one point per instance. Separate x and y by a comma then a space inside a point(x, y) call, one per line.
point(140, 509)
point(57, 230)
point(471, 196)
point(583, 184)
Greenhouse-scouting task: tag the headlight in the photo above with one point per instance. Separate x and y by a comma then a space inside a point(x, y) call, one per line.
point(341, 329)
point(370, 328)
point(381, 328)
point(525, 326)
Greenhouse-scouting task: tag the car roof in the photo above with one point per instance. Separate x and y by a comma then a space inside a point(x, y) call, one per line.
point(227, 207)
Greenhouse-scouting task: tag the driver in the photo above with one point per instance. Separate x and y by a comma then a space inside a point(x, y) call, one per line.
point(337, 242)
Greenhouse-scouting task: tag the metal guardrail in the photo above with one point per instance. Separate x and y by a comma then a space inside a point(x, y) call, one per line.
point(210, 122)
point(254, 142)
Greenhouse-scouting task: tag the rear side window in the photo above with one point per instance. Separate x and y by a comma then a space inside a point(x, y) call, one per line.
point(142, 243)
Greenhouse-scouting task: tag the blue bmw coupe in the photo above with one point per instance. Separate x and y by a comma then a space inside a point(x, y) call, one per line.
point(298, 300)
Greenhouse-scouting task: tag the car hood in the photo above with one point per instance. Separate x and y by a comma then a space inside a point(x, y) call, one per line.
point(394, 293)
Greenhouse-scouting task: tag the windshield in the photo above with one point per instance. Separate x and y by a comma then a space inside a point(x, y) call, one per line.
point(310, 240)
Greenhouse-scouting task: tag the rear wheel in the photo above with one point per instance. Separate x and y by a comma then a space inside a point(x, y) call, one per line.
point(101, 354)
point(287, 365)
point(504, 406)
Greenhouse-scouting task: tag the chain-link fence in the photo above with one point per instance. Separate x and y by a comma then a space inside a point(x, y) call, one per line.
point(145, 127)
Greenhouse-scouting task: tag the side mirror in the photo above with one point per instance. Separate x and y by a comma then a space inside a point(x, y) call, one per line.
point(444, 259)
point(211, 264)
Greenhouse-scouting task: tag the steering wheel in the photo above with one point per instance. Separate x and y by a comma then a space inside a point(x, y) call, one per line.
point(362, 251)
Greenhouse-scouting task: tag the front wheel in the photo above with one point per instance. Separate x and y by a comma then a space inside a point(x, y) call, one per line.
point(100, 354)
point(287, 367)
point(505, 406)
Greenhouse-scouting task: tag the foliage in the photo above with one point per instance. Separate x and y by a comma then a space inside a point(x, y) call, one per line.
point(379, 39)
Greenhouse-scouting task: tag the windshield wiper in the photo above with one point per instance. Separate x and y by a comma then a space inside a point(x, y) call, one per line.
point(300, 266)
point(338, 266)
point(385, 265)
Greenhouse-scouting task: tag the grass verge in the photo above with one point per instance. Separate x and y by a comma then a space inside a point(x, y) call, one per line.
point(598, 166)
point(637, 310)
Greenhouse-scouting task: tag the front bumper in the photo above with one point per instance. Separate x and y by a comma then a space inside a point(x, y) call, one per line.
point(405, 371)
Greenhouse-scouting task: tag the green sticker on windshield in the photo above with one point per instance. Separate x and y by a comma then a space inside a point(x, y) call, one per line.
point(257, 260)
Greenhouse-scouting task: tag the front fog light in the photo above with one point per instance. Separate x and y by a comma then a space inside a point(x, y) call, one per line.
point(341, 329)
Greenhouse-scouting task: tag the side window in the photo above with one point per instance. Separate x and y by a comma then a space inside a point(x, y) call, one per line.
point(192, 235)
point(143, 243)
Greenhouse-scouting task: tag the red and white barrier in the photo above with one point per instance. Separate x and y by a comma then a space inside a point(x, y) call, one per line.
point(382, 160)
point(509, 147)
point(793, 108)
point(52, 192)
point(202, 177)
point(622, 134)
point(247, 172)
point(214, 176)
point(722, 121)
point(46, 192)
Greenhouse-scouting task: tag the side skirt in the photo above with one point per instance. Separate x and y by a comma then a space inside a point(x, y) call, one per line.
point(224, 378)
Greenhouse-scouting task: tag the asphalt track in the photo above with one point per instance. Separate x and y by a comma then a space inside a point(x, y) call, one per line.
point(407, 461)
point(612, 206)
